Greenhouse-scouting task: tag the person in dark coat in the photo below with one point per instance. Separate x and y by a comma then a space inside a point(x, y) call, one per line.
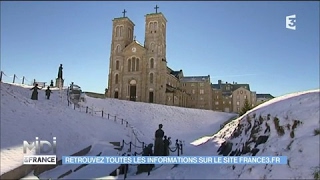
point(48, 92)
point(147, 151)
point(158, 148)
point(166, 144)
point(35, 89)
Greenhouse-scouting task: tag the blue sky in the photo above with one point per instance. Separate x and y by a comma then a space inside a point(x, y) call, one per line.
point(245, 42)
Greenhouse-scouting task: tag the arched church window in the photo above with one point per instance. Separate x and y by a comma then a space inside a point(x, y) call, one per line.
point(151, 26)
point(151, 78)
point(116, 79)
point(118, 48)
point(155, 26)
point(129, 65)
point(129, 33)
point(137, 64)
point(151, 63)
point(117, 65)
point(117, 31)
point(133, 63)
point(121, 31)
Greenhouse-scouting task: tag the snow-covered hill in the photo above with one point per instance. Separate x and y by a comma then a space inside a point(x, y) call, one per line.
point(180, 123)
point(24, 119)
point(285, 126)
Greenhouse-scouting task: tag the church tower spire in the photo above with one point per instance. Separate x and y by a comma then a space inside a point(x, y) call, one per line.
point(155, 44)
point(122, 36)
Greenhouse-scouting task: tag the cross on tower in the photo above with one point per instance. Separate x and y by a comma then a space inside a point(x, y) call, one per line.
point(156, 8)
point(124, 13)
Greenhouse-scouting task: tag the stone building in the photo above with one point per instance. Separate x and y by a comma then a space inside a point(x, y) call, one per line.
point(261, 98)
point(230, 97)
point(139, 72)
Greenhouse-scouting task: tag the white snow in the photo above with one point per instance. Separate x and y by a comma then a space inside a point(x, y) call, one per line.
point(24, 119)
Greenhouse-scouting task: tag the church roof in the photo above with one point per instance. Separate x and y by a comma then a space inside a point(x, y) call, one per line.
point(195, 79)
point(155, 14)
point(123, 18)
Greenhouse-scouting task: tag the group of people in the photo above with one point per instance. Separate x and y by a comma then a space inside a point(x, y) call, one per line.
point(162, 143)
point(161, 148)
point(34, 95)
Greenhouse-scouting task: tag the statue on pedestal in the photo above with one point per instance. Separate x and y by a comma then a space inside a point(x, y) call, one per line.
point(60, 72)
point(59, 80)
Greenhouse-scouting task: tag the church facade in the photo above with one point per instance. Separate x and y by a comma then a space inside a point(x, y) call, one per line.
point(139, 72)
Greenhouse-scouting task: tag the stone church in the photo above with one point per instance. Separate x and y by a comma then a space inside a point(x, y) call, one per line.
point(139, 72)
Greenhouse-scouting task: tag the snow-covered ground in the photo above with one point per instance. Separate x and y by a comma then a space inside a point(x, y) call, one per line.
point(288, 122)
point(24, 119)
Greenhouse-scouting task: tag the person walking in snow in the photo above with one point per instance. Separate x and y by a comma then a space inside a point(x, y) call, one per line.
point(166, 144)
point(48, 92)
point(158, 148)
point(35, 89)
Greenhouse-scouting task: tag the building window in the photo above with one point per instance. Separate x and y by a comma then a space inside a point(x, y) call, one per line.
point(223, 102)
point(245, 97)
point(201, 98)
point(201, 84)
point(238, 109)
point(241, 92)
point(192, 84)
point(217, 97)
point(117, 65)
point(238, 103)
point(133, 64)
point(217, 103)
point(193, 91)
point(116, 79)
point(151, 26)
point(229, 102)
point(151, 78)
point(118, 48)
point(201, 91)
point(151, 63)
point(129, 33)
point(129, 65)
point(121, 31)
point(155, 26)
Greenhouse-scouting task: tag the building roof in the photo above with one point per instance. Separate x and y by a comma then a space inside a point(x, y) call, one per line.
point(195, 79)
point(123, 18)
point(233, 87)
point(175, 73)
point(266, 96)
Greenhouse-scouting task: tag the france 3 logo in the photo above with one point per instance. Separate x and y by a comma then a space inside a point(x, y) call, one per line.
point(291, 22)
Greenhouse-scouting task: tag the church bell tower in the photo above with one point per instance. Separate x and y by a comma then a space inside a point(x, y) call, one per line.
point(122, 36)
point(155, 44)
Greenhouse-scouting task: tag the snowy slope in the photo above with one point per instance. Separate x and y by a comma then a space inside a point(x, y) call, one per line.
point(24, 119)
point(179, 123)
point(287, 125)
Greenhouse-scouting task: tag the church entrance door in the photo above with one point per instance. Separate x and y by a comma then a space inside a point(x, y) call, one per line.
point(151, 97)
point(133, 90)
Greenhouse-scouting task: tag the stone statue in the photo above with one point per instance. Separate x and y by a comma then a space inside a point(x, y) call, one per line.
point(60, 72)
